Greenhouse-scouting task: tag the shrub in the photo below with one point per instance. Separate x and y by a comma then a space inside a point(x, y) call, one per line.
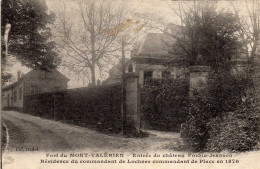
point(199, 115)
point(165, 103)
point(221, 117)
point(237, 131)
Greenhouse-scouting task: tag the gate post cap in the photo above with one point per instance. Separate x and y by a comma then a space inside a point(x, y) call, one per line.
point(199, 68)
point(131, 74)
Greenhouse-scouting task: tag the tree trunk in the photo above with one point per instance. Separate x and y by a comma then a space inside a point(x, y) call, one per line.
point(93, 75)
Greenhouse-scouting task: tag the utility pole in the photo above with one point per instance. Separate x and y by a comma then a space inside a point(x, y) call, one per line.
point(123, 89)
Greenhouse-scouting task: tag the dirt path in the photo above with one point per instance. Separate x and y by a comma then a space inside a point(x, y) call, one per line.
point(26, 131)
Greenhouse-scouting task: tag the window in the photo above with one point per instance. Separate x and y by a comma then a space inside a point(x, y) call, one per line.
point(166, 74)
point(20, 93)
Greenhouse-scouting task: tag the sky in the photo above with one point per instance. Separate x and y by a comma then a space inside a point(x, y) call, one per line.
point(158, 7)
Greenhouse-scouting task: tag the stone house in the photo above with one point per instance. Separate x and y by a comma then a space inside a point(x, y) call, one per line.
point(34, 82)
point(149, 59)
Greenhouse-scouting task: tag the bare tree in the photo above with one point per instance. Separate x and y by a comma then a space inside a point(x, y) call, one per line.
point(89, 35)
point(250, 35)
point(250, 24)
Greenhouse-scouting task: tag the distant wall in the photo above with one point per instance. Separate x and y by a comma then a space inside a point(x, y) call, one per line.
point(98, 107)
point(13, 97)
point(45, 85)
point(6, 99)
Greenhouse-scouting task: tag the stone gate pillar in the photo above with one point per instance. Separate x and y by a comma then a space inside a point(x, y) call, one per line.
point(132, 104)
point(199, 76)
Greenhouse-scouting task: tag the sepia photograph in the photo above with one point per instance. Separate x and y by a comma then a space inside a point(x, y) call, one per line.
point(130, 84)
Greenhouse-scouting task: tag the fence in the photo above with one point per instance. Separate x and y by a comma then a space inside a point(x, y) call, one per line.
point(98, 107)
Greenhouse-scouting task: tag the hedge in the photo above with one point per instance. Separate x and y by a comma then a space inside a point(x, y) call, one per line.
point(236, 131)
point(164, 103)
point(224, 117)
point(98, 107)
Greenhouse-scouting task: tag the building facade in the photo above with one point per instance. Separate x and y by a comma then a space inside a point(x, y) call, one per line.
point(150, 58)
point(34, 82)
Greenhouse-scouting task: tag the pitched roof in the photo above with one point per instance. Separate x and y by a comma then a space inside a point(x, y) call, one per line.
point(153, 45)
point(52, 74)
point(158, 44)
point(11, 85)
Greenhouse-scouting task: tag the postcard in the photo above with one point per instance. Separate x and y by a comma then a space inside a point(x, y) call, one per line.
point(130, 84)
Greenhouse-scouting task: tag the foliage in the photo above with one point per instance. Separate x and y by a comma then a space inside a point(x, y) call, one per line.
point(29, 37)
point(222, 114)
point(208, 37)
point(165, 103)
point(236, 131)
point(97, 107)
point(5, 76)
point(227, 91)
point(199, 115)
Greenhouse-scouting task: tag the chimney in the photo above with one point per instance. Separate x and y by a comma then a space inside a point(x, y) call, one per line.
point(18, 75)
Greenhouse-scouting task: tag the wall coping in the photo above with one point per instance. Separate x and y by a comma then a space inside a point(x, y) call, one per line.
point(200, 68)
point(131, 74)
